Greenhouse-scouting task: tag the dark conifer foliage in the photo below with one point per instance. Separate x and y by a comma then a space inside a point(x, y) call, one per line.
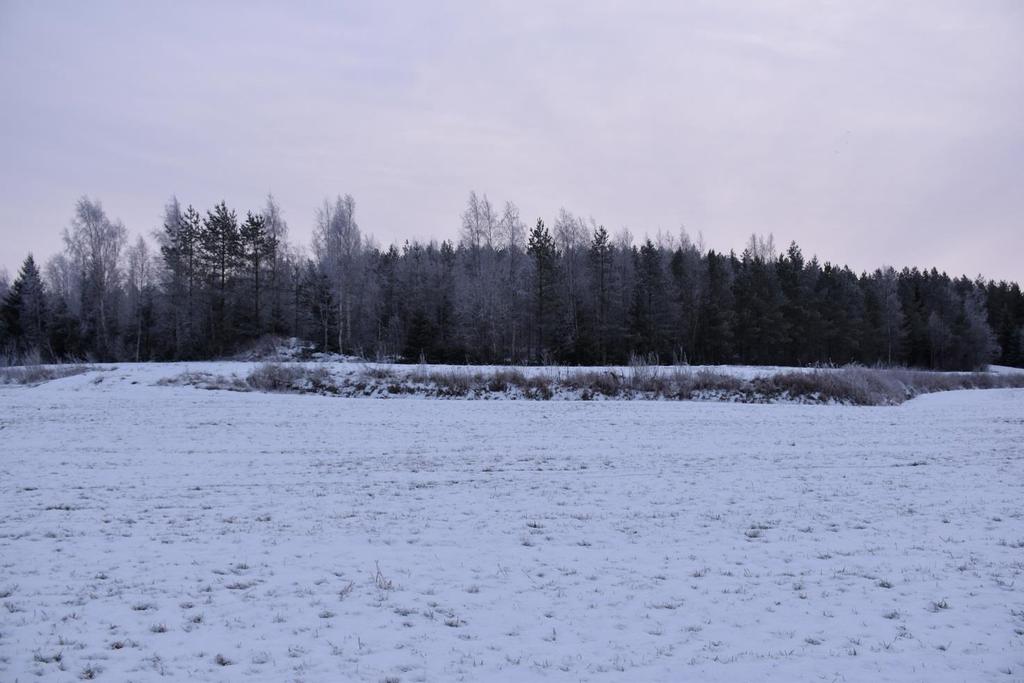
point(24, 318)
point(541, 248)
point(574, 294)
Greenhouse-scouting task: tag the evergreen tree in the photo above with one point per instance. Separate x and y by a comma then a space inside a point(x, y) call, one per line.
point(689, 280)
point(219, 243)
point(650, 303)
point(65, 338)
point(601, 263)
point(716, 336)
point(541, 247)
point(179, 247)
point(574, 295)
point(256, 245)
point(24, 312)
point(841, 307)
point(761, 328)
point(801, 308)
point(445, 320)
point(979, 343)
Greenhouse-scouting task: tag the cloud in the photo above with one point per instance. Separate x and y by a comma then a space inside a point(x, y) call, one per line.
point(871, 133)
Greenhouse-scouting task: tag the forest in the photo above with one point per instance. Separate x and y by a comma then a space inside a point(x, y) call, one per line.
point(209, 284)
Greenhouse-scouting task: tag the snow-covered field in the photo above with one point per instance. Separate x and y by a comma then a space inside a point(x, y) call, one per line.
point(169, 533)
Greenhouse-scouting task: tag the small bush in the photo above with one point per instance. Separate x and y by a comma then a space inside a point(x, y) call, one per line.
point(274, 377)
point(605, 383)
point(644, 372)
point(504, 380)
point(538, 387)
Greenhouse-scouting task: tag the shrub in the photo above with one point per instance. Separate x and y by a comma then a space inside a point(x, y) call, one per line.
point(275, 377)
point(706, 380)
point(538, 387)
point(644, 372)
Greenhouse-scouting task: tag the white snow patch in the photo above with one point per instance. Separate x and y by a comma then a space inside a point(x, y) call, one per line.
point(165, 533)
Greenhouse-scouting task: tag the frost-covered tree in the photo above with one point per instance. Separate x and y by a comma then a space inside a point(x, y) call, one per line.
point(338, 246)
point(479, 286)
point(139, 279)
point(93, 246)
point(574, 295)
point(276, 264)
point(512, 245)
point(978, 342)
point(180, 250)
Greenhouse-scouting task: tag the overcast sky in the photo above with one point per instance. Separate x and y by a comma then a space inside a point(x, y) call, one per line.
point(869, 132)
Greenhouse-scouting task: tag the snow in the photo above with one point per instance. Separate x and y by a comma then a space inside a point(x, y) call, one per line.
point(149, 532)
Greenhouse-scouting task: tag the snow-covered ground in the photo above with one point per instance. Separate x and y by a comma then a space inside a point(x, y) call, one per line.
point(169, 533)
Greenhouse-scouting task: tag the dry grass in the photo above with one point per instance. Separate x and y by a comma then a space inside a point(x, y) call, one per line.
point(872, 387)
point(38, 374)
point(206, 380)
point(850, 385)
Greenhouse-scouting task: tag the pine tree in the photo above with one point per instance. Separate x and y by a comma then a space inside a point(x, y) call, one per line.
point(541, 248)
point(179, 248)
point(601, 253)
point(220, 247)
point(191, 259)
point(255, 245)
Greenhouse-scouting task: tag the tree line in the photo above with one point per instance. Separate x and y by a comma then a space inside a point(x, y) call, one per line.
point(210, 283)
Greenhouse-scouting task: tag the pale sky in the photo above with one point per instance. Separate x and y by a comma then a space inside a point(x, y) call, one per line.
point(870, 132)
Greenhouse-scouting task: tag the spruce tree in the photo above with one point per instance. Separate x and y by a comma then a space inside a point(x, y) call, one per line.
point(650, 305)
point(24, 312)
point(717, 319)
